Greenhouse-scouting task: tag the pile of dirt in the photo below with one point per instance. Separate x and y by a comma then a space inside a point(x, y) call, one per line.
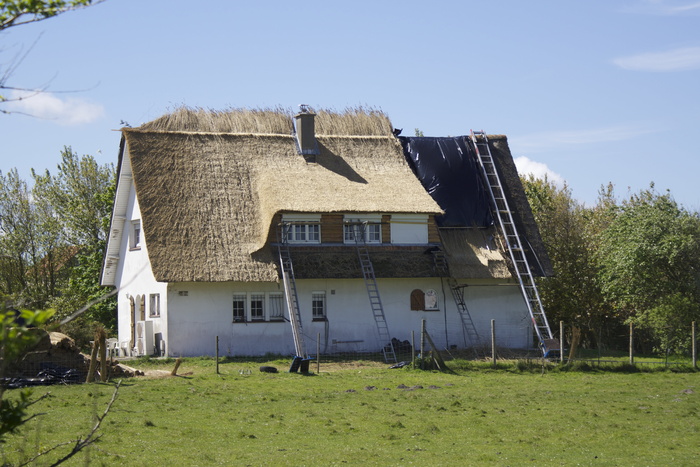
point(56, 359)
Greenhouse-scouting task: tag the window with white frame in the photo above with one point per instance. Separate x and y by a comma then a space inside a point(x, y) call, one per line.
point(135, 235)
point(302, 228)
point(367, 229)
point(154, 305)
point(318, 305)
point(276, 306)
point(257, 307)
point(239, 301)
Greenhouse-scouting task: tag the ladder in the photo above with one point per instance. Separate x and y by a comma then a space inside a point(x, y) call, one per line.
point(290, 292)
point(502, 212)
point(471, 335)
point(375, 301)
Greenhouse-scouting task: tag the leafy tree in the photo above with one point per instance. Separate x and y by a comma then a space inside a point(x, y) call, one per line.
point(650, 266)
point(16, 337)
point(81, 196)
point(573, 294)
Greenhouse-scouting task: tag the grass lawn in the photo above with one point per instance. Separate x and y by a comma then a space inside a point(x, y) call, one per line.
point(365, 414)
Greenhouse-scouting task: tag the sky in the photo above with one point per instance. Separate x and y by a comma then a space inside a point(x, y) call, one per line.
point(589, 93)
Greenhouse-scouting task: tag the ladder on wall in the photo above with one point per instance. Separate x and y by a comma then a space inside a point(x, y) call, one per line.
point(504, 215)
point(375, 301)
point(458, 295)
point(290, 292)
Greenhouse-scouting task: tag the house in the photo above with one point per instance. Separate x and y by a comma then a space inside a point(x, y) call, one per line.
point(263, 230)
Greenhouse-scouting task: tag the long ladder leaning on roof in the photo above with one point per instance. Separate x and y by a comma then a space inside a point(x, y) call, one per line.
point(290, 291)
point(458, 295)
point(502, 212)
point(375, 301)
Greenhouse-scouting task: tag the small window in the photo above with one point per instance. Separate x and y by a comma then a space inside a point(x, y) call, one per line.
point(257, 307)
point(318, 306)
point(239, 308)
point(276, 307)
point(154, 305)
point(135, 237)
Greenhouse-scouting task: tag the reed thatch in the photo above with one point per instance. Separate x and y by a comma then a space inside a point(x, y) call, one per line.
point(472, 253)
point(535, 250)
point(243, 121)
point(353, 122)
point(209, 186)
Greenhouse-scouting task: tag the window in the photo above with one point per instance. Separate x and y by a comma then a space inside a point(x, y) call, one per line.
point(239, 308)
point(304, 233)
point(367, 228)
point(257, 307)
point(154, 305)
point(302, 228)
point(318, 306)
point(135, 237)
point(276, 307)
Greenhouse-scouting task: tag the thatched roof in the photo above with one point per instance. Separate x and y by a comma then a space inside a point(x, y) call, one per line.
point(517, 199)
point(209, 184)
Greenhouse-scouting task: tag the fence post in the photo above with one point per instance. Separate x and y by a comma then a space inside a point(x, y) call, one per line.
point(318, 353)
point(561, 341)
point(217, 355)
point(695, 346)
point(493, 342)
point(422, 344)
point(631, 344)
point(413, 348)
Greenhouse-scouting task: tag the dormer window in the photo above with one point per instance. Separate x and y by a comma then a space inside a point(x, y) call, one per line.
point(367, 229)
point(302, 228)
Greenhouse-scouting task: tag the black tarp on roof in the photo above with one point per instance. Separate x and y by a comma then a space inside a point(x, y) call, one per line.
point(448, 169)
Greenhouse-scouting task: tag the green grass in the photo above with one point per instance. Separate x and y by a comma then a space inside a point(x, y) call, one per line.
point(364, 414)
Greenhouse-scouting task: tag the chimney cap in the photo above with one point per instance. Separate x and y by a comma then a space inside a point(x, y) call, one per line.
point(304, 109)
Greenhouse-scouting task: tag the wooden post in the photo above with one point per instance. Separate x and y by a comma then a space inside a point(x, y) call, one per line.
point(422, 342)
point(493, 342)
point(217, 355)
point(93, 362)
point(103, 356)
point(318, 353)
point(413, 349)
point(694, 346)
point(631, 344)
point(177, 365)
point(561, 341)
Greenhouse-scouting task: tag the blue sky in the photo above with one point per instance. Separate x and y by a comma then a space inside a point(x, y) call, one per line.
point(589, 92)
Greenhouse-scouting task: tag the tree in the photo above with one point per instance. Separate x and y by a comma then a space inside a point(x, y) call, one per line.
point(650, 266)
point(572, 294)
point(81, 195)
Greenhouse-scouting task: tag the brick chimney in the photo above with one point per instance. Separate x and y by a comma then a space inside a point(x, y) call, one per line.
point(306, 134)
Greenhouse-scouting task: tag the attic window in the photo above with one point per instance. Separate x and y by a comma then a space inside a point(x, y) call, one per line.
point(135, 235)
point(367, 229)
point(301, 228)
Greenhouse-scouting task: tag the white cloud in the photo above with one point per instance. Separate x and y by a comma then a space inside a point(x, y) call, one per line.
point(69, 111)
point(535, 142)
point(665, 7)
point(540, 170)
point(686, 58)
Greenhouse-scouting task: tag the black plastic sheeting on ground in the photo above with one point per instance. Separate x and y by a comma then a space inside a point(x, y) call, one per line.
point(449, 171)
point(46, 377)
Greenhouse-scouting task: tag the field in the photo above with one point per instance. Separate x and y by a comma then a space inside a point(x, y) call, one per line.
point(362, 413)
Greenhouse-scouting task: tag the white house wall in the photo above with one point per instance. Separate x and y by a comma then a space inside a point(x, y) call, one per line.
point(135, 279)
point(198, 313)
